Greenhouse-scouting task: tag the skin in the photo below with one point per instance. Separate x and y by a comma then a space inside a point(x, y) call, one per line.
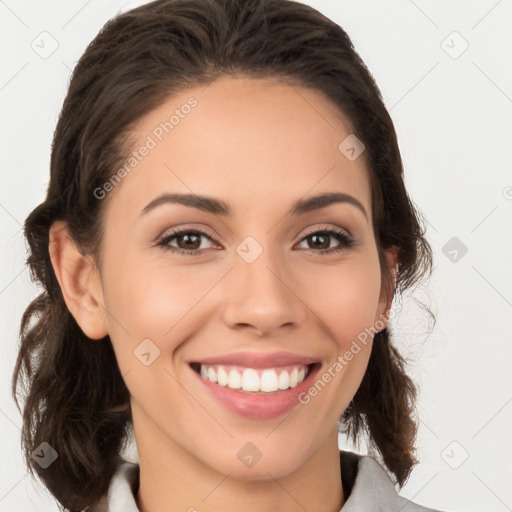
point(259, 146)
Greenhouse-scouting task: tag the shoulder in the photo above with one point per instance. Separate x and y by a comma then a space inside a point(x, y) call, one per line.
point(371, 488)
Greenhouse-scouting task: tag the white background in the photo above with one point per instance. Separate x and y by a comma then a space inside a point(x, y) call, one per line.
point(453, 119)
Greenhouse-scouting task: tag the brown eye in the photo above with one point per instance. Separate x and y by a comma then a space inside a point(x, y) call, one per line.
point(321, 240)
point(187, 242)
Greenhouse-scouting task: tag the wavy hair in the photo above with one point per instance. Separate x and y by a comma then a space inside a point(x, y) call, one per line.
point(74, 396)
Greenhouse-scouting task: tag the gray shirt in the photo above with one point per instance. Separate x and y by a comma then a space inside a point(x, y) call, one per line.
point(366, 485)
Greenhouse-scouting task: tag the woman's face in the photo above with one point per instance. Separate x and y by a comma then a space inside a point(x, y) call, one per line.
point(247, 277)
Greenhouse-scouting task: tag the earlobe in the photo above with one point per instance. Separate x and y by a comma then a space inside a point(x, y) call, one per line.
point(79, 281)
point(386, 297)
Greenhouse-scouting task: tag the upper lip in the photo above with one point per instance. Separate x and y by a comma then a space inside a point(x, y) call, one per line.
point(258, 360)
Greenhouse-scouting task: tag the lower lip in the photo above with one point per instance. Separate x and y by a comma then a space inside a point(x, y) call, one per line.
point(259, 406)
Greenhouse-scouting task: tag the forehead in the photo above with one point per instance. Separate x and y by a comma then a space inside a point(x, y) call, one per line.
point(256, 143)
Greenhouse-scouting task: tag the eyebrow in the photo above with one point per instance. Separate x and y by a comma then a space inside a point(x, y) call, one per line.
point(219, 207)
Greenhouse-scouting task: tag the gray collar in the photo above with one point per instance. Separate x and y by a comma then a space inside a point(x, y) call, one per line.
point(370, 488)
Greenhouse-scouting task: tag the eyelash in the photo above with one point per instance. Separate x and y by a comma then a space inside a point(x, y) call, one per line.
point(341, 236)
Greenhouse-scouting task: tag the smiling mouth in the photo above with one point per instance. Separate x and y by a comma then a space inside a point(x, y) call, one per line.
point(261, 381)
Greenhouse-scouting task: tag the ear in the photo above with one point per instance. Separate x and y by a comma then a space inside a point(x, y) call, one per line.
point(79, 281)
point(387, 292)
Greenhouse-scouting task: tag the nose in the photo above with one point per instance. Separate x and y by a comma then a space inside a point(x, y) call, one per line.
point(261, 296)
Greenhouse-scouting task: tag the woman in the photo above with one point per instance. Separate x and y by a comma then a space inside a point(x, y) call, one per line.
point(225, 228)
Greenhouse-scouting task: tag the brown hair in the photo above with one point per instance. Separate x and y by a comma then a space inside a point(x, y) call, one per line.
point(75, 397)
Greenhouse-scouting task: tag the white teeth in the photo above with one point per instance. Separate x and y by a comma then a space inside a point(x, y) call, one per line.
point(212, 375)
point(294, 377)
point(269, 381)
point(266, 380)
point(222, 377)
point(235, 381)
point(284, 380)
point(250, 380)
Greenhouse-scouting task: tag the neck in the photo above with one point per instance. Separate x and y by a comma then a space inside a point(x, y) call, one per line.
point(172, 479)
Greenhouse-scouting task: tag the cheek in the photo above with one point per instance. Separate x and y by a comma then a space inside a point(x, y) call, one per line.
point(150, 316)
point(346, 298)
point(145, 300)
